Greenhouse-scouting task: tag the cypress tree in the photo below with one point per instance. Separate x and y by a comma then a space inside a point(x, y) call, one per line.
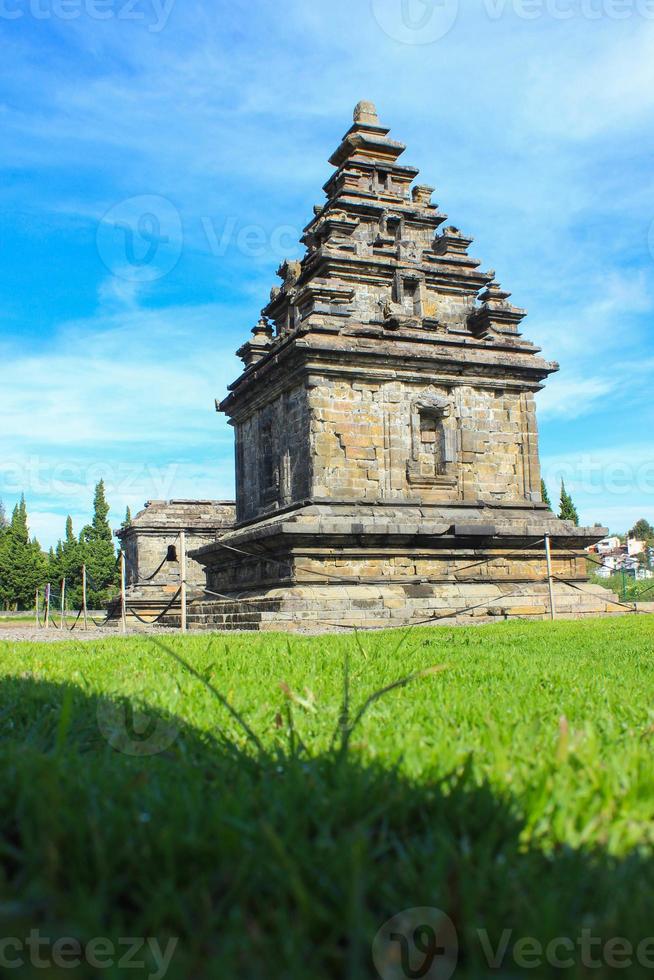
point(567, 511)
point(544, 494)
point(97, 552)
point(18, 525)
point(69, 565)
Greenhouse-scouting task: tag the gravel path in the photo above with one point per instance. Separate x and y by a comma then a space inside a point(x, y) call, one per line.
point(29, 634)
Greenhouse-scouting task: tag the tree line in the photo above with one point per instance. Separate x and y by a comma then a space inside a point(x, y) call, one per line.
point(25, 567)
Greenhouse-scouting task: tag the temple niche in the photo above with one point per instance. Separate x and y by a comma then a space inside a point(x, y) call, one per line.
point(387, 465)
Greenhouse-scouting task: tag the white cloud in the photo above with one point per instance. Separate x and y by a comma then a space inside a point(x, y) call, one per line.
point(139, 376)
point(128, 397)
point(570, 396)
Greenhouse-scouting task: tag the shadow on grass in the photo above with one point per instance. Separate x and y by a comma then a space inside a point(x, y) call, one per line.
point(273, 862)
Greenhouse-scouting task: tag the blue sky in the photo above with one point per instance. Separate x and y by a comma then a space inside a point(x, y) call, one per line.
point(215, 121)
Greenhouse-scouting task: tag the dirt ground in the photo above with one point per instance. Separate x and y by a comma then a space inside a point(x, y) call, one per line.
point(30, 633)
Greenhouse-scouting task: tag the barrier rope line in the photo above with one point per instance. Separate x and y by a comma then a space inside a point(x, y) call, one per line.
point(432, 619)
point(96, 623)
point(220, 595)
point(357, 579)
point(511, 554)
point(149, 578)
point(71, 628)
point(631, 606)
point(151, 622)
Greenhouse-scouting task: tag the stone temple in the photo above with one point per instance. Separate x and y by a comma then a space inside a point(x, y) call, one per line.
point(387, 466)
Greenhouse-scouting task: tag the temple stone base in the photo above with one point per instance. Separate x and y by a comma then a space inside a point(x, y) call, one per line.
point(327, 566)
point(326, 608)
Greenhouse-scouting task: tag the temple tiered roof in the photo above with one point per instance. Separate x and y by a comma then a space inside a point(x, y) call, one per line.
point(377, 264)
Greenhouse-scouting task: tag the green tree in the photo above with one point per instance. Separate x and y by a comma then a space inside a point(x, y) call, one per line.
point(544, 494)
point(128, 518)
point(98, 554)
point(5, 593)
point(567, 511)
point(642, 530)
point(68, 562)
point(22, 563)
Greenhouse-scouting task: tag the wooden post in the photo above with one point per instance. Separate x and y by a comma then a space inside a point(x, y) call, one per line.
point(123, 610)
point(548, 556)
point(46, 622)
point(63, 601)
point(36, 607)
point(84, 596)
point(182, 570)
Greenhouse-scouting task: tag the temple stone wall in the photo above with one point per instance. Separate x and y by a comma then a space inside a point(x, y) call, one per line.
point(145, 550)
point(372, 442)
point(273, 455)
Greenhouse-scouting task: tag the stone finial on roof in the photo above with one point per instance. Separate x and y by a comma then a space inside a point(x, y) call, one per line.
point(365, 113)
point(263, 332)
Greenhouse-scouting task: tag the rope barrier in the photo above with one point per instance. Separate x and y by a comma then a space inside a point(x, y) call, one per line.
point(150, 622)
point(155, 573)
point(99, 625)
point(616, 571)
point(71, 628)
point(511, 554)
point(357, 579)
point(432, 619)
point(615, 602)
point(219, 595)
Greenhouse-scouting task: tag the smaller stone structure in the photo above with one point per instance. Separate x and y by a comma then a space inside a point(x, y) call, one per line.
point(151, 544)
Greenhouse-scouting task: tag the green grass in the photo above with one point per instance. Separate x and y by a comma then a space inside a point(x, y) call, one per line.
point(514, 790)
